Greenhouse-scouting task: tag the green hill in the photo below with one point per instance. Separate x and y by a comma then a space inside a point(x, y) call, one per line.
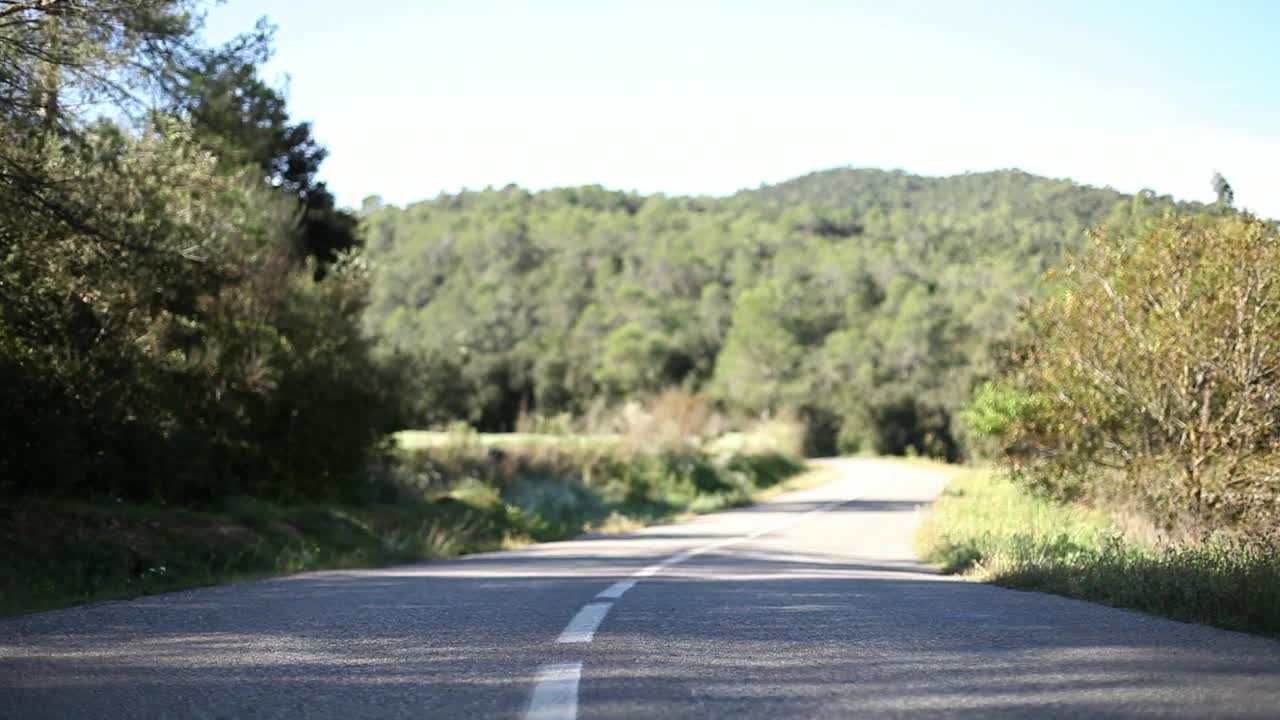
point(865, 301)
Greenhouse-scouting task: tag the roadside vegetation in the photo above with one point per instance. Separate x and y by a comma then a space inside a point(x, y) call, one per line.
point(180, 302)
point(463, 492)
point(209, 370)
point(991, 529)
point(1138, 423)
point(432, 503)
point(190, 393)
point(865, 303)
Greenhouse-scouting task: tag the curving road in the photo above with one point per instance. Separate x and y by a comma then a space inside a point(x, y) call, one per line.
point(807, 606)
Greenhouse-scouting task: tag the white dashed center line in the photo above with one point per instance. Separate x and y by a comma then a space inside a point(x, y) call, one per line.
point(617, 589)
point(555, 697)
point(582, 628)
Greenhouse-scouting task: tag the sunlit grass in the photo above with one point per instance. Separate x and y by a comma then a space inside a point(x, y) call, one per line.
point(417, 439)
point(987, 528)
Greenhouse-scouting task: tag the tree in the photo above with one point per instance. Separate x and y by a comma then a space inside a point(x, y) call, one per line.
point(1158, 358)
point(1222, 188)
point(760, 367)
point(246, 122)
point(885, 291)
point(633, 361)
point(159, 338)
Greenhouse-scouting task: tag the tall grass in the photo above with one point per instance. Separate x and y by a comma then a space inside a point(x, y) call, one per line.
point(990, 529)
point(552, 490)
point(435, 501)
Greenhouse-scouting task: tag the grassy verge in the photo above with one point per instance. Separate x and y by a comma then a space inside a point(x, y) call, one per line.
point(437, 501)
point(64, 554)
point(990, 529)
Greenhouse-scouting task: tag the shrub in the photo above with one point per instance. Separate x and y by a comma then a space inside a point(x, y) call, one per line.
point(558, 486)
point(1157, 356)
point(166, 345)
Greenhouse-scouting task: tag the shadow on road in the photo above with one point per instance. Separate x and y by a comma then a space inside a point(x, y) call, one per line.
point(755, 630)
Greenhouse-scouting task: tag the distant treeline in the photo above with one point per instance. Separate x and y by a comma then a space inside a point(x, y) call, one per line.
point(866, 302)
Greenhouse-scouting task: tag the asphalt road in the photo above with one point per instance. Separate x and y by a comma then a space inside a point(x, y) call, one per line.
point(808, 606)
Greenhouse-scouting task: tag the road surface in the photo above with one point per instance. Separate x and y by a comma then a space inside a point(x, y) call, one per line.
point(807, 606)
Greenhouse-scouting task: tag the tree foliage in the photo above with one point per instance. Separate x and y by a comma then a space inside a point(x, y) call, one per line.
point(160, 338)
point(1157, 357)
point(865, 301)
point(244, 121)
point(1222, 189)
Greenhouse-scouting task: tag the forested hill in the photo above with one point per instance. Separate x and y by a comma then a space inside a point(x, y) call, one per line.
point(864, 189)
point(865, 301)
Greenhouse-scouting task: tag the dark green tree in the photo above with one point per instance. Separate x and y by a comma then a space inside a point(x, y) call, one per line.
point(160, 337)
point(1222, 189)
point(247, 122)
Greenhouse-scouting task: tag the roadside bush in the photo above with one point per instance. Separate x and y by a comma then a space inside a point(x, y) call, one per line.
point(1156, 356)
point(180, 316)
point(578, 484)
point(165, 344)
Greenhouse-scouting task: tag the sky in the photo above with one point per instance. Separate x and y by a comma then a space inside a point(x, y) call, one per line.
point(416, 97)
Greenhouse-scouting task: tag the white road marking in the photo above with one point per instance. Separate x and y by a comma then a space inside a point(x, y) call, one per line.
point(685, 555)
point(555, 697)
point(617, 589)
point(582, 628)
point(646, 572)
point(680, 557)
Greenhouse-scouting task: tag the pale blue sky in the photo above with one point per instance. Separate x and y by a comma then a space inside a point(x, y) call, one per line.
point(413, 98)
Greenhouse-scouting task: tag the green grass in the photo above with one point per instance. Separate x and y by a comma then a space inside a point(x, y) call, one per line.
point(986, 527)
point(440, 501)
